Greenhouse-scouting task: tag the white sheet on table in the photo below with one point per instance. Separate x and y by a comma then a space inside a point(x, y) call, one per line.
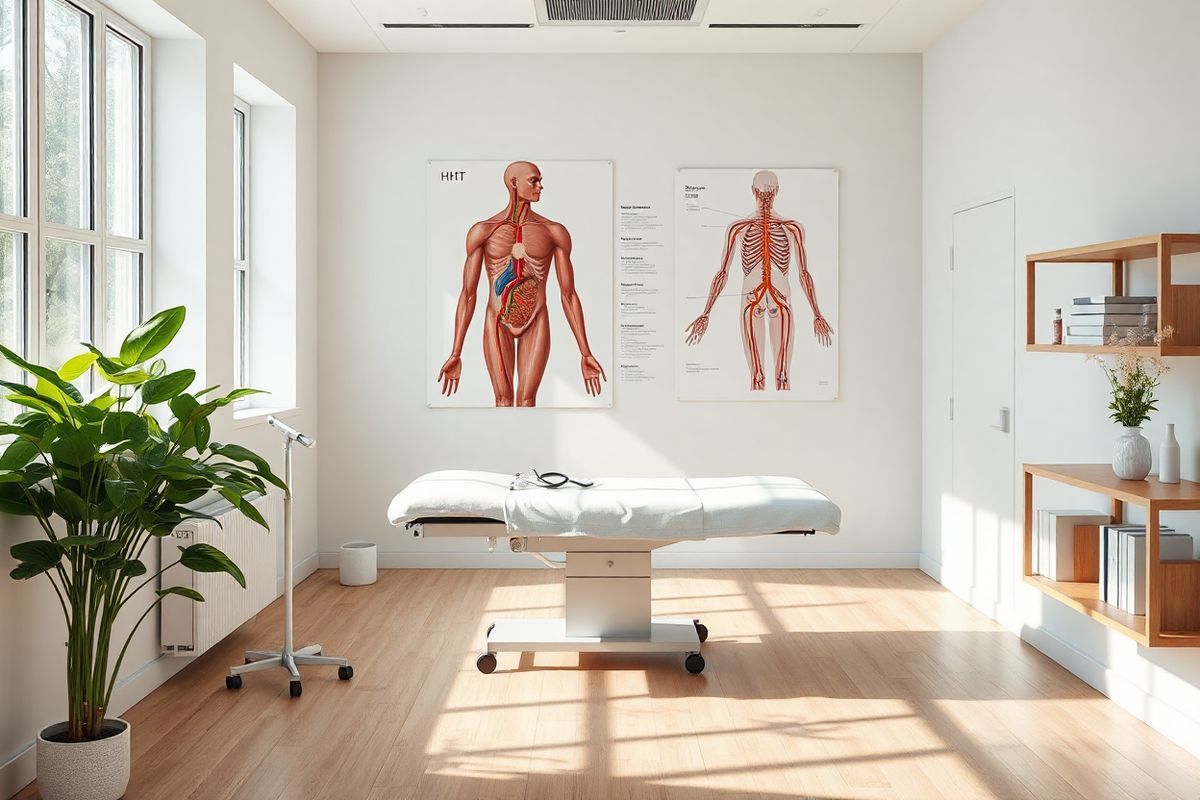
point(649, 508)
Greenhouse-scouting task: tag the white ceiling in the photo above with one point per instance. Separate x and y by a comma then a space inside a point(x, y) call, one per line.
point(888, 26)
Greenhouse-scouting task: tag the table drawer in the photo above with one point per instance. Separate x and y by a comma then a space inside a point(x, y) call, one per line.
point(608, 565)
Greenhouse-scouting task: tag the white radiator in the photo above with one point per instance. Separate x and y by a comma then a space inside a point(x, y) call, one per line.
point(189, 628)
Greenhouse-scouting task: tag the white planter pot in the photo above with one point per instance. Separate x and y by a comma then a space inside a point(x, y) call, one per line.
point(358, 562)
point(96, 770)
point(1132, 456)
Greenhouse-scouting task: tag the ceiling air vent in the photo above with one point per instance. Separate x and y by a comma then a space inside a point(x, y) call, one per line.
point(803, 25)
point(620, 12)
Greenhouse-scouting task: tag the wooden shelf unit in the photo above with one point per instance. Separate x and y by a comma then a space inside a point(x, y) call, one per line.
point(1178, 304)
point(1172, 587)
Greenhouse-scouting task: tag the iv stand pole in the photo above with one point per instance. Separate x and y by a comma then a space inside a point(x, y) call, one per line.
point(287, 658)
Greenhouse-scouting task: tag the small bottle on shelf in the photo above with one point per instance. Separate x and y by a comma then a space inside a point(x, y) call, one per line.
point(1057, 329)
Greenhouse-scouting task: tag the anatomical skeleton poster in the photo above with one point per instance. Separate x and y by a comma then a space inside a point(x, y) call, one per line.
point(519, 279)
point(756, 284)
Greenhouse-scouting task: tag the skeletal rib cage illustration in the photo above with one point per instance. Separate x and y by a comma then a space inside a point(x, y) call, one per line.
point(766, 244)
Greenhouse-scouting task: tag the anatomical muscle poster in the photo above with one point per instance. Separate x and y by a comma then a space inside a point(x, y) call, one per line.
point(756, 284)
point(519, 278)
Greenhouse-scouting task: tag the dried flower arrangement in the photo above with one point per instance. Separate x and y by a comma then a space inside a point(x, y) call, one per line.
point(1133, 376)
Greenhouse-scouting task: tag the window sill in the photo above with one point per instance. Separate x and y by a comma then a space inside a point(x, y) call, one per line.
point(247, 417)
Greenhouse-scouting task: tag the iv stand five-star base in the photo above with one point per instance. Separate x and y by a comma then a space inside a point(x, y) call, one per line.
point(287, 658)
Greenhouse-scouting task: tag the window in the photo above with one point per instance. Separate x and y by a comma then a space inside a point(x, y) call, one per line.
point(241, 243)
point(74, 244)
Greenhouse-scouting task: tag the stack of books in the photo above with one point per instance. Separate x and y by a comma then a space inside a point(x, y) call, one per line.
point(1123, 562)
point(1095, 320)
point(1054, 541)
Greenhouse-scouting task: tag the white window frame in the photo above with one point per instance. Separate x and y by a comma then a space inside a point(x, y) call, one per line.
point(33, 223)
point(241, 267)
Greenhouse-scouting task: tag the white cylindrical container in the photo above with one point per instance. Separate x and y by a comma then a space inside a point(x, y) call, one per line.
point(1168, 457)
point(358, 562)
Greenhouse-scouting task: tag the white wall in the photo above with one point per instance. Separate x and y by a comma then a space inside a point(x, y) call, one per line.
point(384, 116)
point(1081, 107)
point(194, 231)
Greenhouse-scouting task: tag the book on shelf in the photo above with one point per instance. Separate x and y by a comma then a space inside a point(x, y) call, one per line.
point(1171, 547)
point(1115, 308)
point(1097, 339)
point(1104, 330)
point(1106, 320)
point(1054, 550)
point(1114, 299)
point(1110, 557)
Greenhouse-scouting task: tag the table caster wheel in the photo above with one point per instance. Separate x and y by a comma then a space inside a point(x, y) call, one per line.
point(694, 663)
point(345, 673)
point(233, 681)
point(701, 631)
point(486, 663)
point(294, 687)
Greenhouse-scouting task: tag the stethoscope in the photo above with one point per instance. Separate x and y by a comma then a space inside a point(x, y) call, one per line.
point(551, 480)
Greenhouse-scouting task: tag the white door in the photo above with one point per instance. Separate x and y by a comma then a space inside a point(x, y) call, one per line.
point(980, 546)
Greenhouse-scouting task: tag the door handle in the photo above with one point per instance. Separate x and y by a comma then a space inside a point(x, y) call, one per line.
point(1002, 420)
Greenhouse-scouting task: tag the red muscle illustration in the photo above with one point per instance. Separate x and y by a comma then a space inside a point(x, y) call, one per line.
point(516, 248)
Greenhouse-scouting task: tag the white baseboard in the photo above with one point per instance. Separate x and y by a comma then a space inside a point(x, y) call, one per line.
point(661, 560)
point(301, 571)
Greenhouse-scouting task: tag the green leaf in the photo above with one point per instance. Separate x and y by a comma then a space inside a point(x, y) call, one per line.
point(152, 336)
point(54, 412)
point(245, 506)
point(133, 569)
point(131, 377)
point(35, 557)
point(8, 476)
point(160, 390)
point(183, 406)
point(203, 432)
point(239, 453)
point(74, 449)
point(18, 454)
point(203, 557)
point(47, 375)
point(69, 505)
point(123, 494)
point(182, 591)
point(80, 541)
point(74, 367)
point(125, 425)
point(157, 368)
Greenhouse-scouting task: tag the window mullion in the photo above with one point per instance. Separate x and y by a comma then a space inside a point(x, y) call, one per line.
point(35, 161)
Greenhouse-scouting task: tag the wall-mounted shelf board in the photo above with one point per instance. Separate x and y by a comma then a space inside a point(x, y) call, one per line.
point(1178, 304)
point(1172, 587)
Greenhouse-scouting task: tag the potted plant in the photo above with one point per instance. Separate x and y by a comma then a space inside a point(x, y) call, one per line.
point(104, 476)
point(1132, 378)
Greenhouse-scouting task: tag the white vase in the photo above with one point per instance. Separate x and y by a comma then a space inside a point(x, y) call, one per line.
point(1168, 457)
point(93, 770)
point(1132, 456)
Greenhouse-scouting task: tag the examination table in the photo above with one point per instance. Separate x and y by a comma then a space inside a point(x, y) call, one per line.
point(607, 528)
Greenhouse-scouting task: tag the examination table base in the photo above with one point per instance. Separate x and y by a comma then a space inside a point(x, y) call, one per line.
point(607, 598)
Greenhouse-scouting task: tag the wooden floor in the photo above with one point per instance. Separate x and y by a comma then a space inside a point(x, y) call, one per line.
point(820, 683)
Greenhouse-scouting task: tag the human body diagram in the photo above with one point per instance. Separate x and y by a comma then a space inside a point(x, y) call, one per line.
point(517, 248)
point(766, 243)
